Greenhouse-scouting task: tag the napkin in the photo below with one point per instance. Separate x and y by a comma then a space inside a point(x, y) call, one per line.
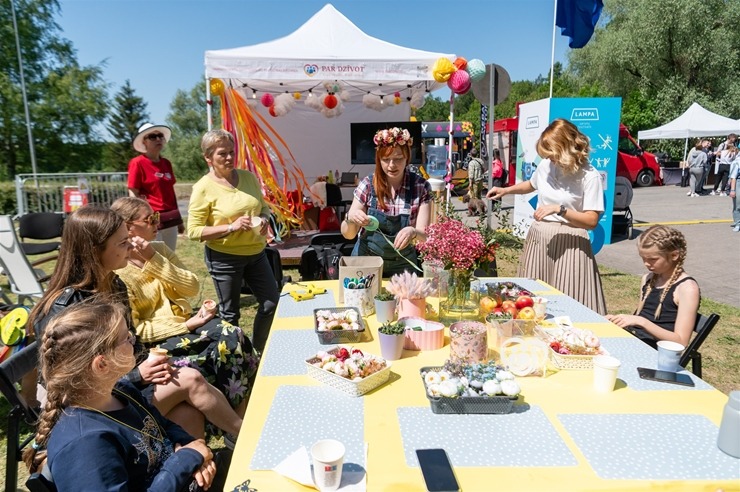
point(297, 467)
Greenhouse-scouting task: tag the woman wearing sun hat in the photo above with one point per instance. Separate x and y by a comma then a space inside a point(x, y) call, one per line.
point(150, 176)
point(399, 202)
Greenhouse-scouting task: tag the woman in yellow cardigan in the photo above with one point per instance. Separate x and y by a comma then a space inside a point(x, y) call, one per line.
point(158, 287)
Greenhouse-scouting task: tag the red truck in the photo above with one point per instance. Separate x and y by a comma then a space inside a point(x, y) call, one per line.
point(633, 163)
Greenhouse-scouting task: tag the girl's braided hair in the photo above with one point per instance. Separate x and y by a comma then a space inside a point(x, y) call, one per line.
point(69, 344)
point(666, 240)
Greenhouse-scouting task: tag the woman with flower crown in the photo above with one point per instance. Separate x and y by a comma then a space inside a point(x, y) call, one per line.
point(397, 198)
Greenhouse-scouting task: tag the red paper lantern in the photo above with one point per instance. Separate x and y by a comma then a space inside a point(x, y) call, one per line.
point(460, 63)
point(272, 111)
point(330, 101)
point(267, 100)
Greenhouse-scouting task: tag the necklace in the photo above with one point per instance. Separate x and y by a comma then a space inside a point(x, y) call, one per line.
point(157, 438)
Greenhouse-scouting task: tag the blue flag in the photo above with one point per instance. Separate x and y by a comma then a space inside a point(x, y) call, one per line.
point(578, 18)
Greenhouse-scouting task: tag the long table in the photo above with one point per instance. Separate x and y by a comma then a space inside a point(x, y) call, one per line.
point(561, 435)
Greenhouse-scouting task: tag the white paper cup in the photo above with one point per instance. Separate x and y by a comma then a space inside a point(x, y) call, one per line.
point(256, 224)
point(605, 373)
point(210, 306)
point(669, 353)
point(540, 308)
point(156, 353)
point(327, 456)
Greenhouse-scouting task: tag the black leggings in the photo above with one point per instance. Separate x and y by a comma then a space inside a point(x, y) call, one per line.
point(723, 173)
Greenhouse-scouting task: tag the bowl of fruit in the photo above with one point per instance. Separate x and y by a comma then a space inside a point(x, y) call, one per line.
point(507, 300)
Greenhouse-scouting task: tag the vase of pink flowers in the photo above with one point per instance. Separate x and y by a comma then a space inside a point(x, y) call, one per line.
point(460, 250)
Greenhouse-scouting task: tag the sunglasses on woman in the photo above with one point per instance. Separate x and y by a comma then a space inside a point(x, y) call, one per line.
point(154, 136)
point(152, 219)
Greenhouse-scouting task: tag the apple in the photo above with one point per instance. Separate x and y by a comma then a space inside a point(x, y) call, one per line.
point(526, 313)
point(524, 301)
point(512, 310)
point(508, 303)
point(488, 304)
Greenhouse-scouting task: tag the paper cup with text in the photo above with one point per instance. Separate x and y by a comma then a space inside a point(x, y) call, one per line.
point(669, 353)
point(327, 456)
point(605, 373)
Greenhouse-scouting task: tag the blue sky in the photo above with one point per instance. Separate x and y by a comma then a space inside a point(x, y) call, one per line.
point(159, 45)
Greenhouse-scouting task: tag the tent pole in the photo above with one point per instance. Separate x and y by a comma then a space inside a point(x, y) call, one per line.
point(686, 149)
point(209, 104)
point(552, 54)
point(450, 133)
point(489, 138)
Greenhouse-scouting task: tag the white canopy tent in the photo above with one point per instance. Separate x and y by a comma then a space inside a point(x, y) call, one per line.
point(327, 48)
point(694, 122)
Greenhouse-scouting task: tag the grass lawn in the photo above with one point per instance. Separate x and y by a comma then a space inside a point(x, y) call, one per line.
point(721, 357)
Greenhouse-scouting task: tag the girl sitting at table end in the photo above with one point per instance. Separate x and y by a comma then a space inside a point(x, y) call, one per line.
point(670, 298)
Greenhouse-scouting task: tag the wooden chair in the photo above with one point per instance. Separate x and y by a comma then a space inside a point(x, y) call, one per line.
point(11, 371)
point(702, 328)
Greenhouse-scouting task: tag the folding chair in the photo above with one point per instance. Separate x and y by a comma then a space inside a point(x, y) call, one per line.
point(25, 280)
point(40, 226)
point(334, 199)
point(12, 371)
point(702, 328)
point(622, 215)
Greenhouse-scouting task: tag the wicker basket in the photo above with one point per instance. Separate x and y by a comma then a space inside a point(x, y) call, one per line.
point(331, 337)
point(352, 388)
point(575, 362)
point(468, 404)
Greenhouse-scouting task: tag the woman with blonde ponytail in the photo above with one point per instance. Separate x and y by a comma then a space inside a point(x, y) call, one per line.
point(97, 432)
point(670, 298)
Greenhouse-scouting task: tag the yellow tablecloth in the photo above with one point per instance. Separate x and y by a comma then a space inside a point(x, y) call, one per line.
point(561, 392)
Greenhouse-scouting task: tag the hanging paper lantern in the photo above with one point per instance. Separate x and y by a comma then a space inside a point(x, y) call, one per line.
point(297, 96)
point(459, 82)
point(330, 101)
point(476, 69)
point(442, 70)
point(217, 87)
point(267, 100)
point(272, 111)
point(397, 97)
point(460, 63)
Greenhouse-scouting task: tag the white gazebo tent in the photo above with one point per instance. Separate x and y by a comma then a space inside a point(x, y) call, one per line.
point(694, 122)
point(328, 47)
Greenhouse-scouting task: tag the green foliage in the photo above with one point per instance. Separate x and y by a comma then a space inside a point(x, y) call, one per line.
point(662, 56)
point(66, 100)
point(8, 203)
point(129, 113)
point(188, 121)
point(384, 295)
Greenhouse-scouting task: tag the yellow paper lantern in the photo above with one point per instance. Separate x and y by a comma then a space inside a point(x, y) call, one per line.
point(442, 69)
point(217, 87)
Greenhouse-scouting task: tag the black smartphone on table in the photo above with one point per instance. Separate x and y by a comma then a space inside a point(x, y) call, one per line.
point(665, 376)
point(437, 470)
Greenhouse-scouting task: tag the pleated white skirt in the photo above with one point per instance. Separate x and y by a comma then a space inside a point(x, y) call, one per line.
point(561, 255)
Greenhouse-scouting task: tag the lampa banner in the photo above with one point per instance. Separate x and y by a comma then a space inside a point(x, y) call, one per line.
point(598, 119)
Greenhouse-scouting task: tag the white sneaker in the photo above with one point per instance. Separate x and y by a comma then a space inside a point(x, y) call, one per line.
point(712, 193)
point(694, 194)
point(736, 228)
point(723, 193)
point(688, 194)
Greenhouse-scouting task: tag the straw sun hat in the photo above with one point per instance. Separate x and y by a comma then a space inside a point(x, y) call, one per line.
point(145, 130)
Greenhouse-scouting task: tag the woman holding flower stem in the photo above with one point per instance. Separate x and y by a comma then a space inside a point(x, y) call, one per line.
point(400, 201)
point(557, 249)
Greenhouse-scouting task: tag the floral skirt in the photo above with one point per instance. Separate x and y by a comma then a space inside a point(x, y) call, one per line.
point(222, 354)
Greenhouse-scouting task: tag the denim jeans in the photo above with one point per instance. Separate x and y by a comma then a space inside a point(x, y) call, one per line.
point(227, 272)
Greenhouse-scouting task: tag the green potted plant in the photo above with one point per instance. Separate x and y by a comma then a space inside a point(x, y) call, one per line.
point(391, 335)
point(385, 306)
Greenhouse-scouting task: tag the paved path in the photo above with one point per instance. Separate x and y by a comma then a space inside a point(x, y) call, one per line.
point(713, 248)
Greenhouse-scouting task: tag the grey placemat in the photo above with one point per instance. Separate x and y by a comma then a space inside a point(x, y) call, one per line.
point(561, 305)
point(288, 350)
point(524, 437)
point(650, 446)
point(301, 415)
point(290, 308)
point(633, 353)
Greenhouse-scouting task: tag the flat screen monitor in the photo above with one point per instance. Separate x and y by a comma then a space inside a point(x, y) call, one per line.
point(363, 148)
